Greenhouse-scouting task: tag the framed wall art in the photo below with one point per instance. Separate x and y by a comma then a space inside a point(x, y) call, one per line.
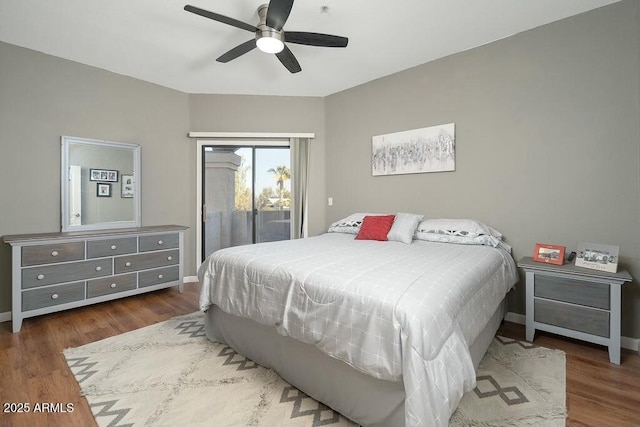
point(103, 175)
point(597, 257)
point(103, 190)
point(550, 254)
point(127, 186)
point(430, 149)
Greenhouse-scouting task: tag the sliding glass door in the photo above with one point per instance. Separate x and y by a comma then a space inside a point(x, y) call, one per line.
point(246, 193)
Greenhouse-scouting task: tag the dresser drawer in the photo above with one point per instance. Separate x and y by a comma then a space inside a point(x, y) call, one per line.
point(571, 290)
point(56, 252)
point(104, 248)
point(69, 272)
point(583, 319)
point(159, 242)
point(146, 261)
point(160, 275)
point(111, 285)
point(52, 295)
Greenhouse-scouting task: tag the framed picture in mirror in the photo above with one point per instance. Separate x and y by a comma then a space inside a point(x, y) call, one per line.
point(103, 175)
point(127, 186)
point(103, 190)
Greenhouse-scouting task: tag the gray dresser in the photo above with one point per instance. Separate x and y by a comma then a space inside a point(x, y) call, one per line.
point(59, 271)
point(574, 301)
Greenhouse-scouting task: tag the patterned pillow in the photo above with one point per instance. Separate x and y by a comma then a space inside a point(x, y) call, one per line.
point(463, 240)
point(350, 224)
point(375, 227)
point(458, 227)
point(404, 226)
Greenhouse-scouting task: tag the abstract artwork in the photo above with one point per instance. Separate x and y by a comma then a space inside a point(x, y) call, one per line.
point(431, 149)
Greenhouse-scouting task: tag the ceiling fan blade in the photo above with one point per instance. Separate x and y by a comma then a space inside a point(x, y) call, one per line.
point(237, 51)
point(289, 60)
point(315, 39)
point(220, 18)
point(278, 12)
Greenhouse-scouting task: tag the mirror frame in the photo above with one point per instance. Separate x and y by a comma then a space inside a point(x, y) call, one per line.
point(66, 141)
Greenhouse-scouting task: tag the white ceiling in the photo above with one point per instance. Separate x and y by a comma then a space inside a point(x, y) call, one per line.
point(159, 42)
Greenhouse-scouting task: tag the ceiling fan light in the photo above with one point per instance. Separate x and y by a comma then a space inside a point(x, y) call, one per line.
point(270, 44)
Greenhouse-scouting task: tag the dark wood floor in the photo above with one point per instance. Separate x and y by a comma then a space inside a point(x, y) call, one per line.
point(33, 369)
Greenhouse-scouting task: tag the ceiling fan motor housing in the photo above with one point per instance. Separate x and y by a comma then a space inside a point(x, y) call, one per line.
point(267, 38)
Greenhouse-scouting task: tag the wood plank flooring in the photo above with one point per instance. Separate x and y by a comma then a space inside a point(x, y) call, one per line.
point(598, 393)
point(33, 369)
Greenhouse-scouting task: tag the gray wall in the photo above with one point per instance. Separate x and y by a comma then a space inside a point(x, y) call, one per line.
point(546, 132)
point(548, 144)
point(42, 98)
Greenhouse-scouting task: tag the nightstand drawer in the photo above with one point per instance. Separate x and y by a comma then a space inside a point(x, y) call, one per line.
point(103, 248)
point(583, 319)
point(159, 242)
point(574, 291)
point(111, 285)
point(52, 295)
point(57, 252)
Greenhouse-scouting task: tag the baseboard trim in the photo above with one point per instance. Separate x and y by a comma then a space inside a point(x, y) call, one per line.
point(190, 279)
point(625, 342)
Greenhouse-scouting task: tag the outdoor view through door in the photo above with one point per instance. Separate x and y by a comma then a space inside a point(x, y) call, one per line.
point(246, 193)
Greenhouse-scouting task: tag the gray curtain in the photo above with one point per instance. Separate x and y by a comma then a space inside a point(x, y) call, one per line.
point(299, 148)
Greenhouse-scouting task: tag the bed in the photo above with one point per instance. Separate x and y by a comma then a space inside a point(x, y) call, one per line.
point(384, 332)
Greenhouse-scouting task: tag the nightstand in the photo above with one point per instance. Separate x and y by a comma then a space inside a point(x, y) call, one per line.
point(575, 302)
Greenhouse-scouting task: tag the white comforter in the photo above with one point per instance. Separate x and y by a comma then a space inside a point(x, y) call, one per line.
point(391, 310)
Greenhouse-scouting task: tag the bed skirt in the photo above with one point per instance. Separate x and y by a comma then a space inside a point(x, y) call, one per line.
point(366, 400)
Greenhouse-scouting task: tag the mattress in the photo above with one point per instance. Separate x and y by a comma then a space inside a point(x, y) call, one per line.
point(392, 311)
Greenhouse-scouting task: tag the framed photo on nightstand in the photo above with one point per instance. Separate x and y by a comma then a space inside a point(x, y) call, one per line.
point(598, 257)
point(550, 254)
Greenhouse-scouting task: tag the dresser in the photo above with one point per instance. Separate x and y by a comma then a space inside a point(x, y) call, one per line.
point(576, 302)
point(58, 271)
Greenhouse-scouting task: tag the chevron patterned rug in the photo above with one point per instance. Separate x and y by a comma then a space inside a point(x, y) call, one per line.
point(171, 374)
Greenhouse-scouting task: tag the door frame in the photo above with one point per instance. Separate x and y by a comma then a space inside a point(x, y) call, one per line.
point(230, 138)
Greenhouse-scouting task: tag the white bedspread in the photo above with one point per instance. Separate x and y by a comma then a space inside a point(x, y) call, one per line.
point(391, 310)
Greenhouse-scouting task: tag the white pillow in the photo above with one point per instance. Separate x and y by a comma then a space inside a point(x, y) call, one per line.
point(404, 226)
point(457, 227)
point(350, 224)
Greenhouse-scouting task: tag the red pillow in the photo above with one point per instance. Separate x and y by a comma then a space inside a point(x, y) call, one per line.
point(375, 227)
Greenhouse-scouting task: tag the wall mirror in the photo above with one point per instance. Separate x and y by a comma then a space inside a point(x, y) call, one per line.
point(100, 185)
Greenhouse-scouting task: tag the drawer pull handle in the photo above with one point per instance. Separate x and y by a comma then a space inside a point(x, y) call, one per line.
point(40, 276)
point(160, 242)
point(113, 285)
point(160, 276)
point(169, 258)
point(127, 264)
point(54, 253)
point(98, 268)
point(113, 247)
point(55, 296)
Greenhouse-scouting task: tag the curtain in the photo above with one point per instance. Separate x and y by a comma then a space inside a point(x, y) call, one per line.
point(299, 148)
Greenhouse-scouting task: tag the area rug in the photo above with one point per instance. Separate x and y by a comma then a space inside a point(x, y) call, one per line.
point(170, 374)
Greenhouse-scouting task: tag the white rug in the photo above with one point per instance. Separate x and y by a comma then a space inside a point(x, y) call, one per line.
point(169, 374)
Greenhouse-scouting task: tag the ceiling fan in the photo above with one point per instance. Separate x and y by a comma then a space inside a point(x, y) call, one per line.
point(269, 34)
